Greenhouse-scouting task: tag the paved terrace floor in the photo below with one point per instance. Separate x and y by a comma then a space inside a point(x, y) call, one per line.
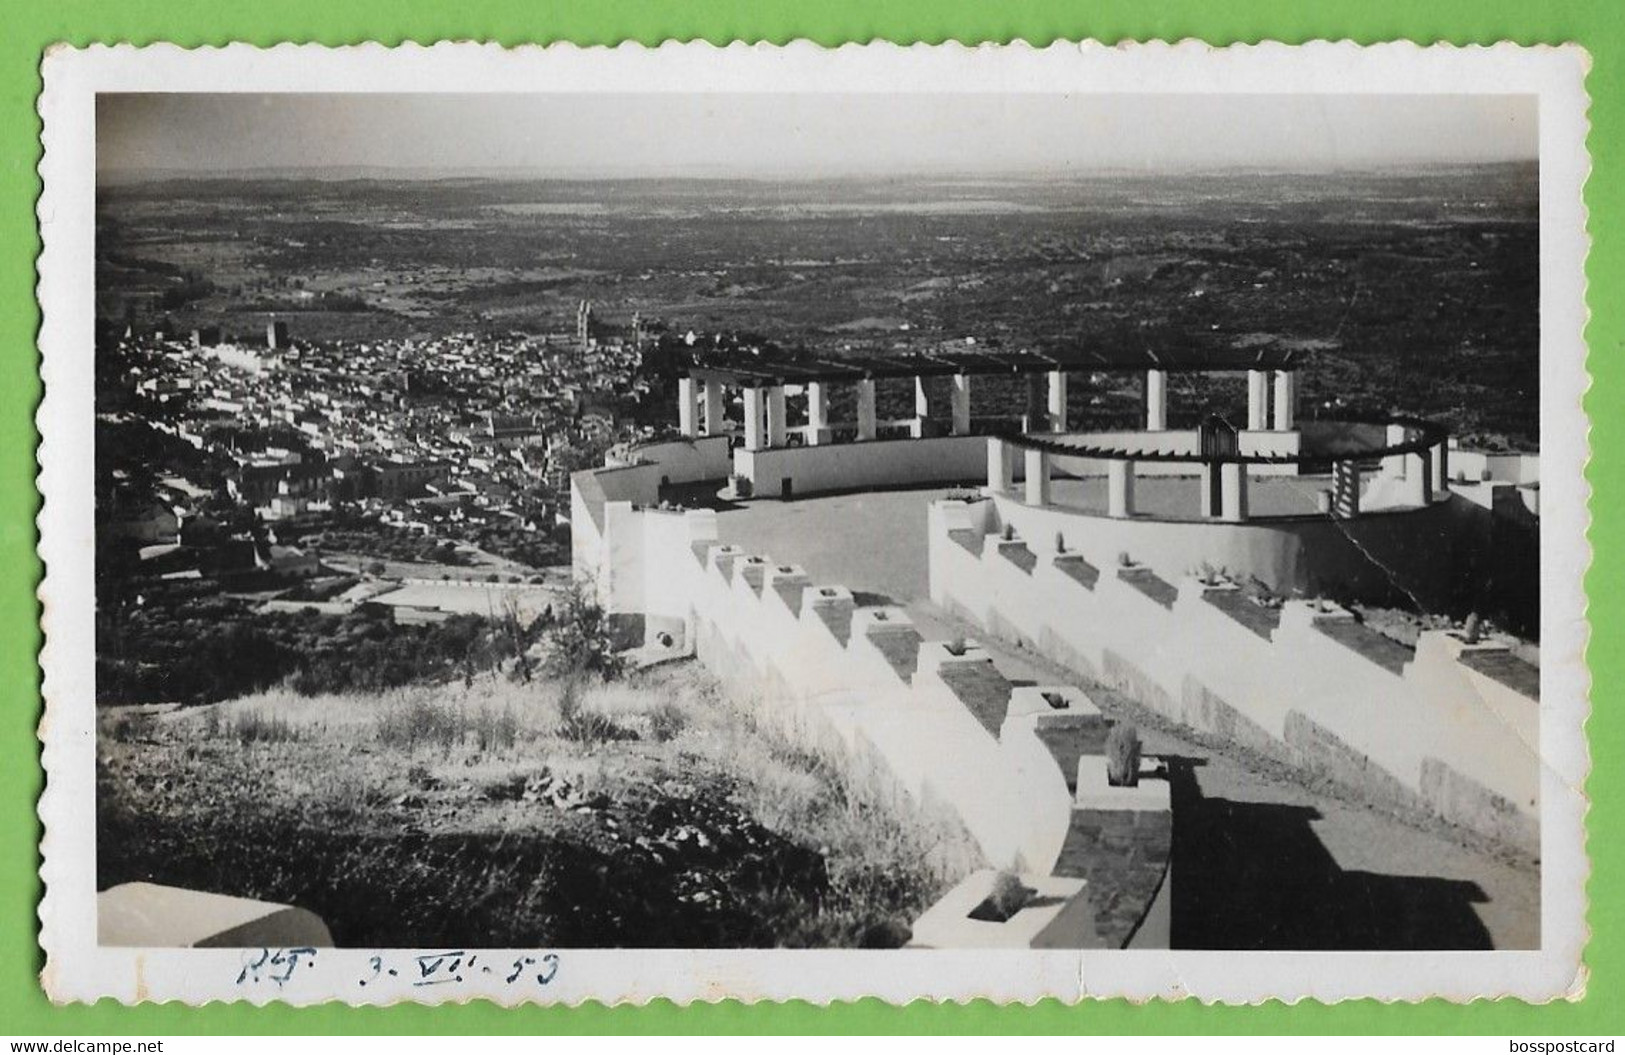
point(1260, 861)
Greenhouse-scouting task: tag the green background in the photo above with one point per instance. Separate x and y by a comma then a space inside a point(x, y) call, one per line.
point(33, 25)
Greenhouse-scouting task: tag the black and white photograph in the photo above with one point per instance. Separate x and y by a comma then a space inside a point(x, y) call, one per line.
point(796, 515)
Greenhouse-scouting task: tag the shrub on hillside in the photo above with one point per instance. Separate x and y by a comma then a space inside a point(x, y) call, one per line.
point(257, 727)
point(579, 640)
point(495, 728)
point(584, 724)
point(667, 721)
point(419, 723)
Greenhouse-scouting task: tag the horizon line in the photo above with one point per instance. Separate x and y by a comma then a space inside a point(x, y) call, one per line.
point(438, 173)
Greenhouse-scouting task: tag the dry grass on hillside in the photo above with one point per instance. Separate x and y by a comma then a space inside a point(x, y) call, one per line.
point(654, 811)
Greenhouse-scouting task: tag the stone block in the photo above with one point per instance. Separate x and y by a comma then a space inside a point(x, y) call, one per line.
point(154, 916)
point(948, 923)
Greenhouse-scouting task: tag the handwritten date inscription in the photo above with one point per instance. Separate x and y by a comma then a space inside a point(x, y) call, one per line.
point(279, 966)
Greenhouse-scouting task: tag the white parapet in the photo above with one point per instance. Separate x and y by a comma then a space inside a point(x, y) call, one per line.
point(150, 915)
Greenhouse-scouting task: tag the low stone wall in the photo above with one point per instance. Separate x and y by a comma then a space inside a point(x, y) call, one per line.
point(1305, 683)
point(1381, 557)
point(864, 673)
point(868, 465)
point(629, 485)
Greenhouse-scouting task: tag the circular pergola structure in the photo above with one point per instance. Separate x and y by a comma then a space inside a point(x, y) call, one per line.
point(1411, 451)
point(762, 379)
point(1271, 442)
point(1349, 508)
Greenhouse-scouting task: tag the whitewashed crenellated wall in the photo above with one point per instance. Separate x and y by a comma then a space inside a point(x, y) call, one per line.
point(667, 565)
point(1436, 732)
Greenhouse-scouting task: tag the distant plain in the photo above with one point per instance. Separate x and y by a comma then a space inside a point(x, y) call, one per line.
point(1411, 290)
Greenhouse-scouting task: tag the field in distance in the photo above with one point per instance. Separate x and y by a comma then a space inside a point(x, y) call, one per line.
point(1414, 291)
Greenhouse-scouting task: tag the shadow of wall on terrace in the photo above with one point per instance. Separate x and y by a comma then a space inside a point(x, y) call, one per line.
point(1256, 876)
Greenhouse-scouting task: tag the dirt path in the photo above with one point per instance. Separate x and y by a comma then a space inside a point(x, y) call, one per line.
point(488, 565)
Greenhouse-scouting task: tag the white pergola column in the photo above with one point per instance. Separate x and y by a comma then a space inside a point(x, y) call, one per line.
point(817, 413)
point(1394, 464)
point(922, 399)
point(1000, 471)
point(1345, 490)
point(960, 405)
point(775, 416)
point(755, 419)
point(687, 408)
point(866, 409)
point(1418, 479)
point(1057, 400)
point(1233, 486)
point(1286, 400)
point(1036, 417)
point(1037, 478)
point(715, 422)
point(1156, 400)
point(1212, 500)
point(1439, 455)
point(1258, 400)
point(1120, 487)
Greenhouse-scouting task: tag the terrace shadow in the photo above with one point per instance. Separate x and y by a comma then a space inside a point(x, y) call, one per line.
point(1253, 875)
point(702, 495)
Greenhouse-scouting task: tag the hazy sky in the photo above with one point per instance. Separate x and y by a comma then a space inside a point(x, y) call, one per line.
point(804, 134)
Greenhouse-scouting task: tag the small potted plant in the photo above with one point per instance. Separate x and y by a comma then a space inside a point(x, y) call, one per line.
point(1123, 756)
point(1008, 896)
